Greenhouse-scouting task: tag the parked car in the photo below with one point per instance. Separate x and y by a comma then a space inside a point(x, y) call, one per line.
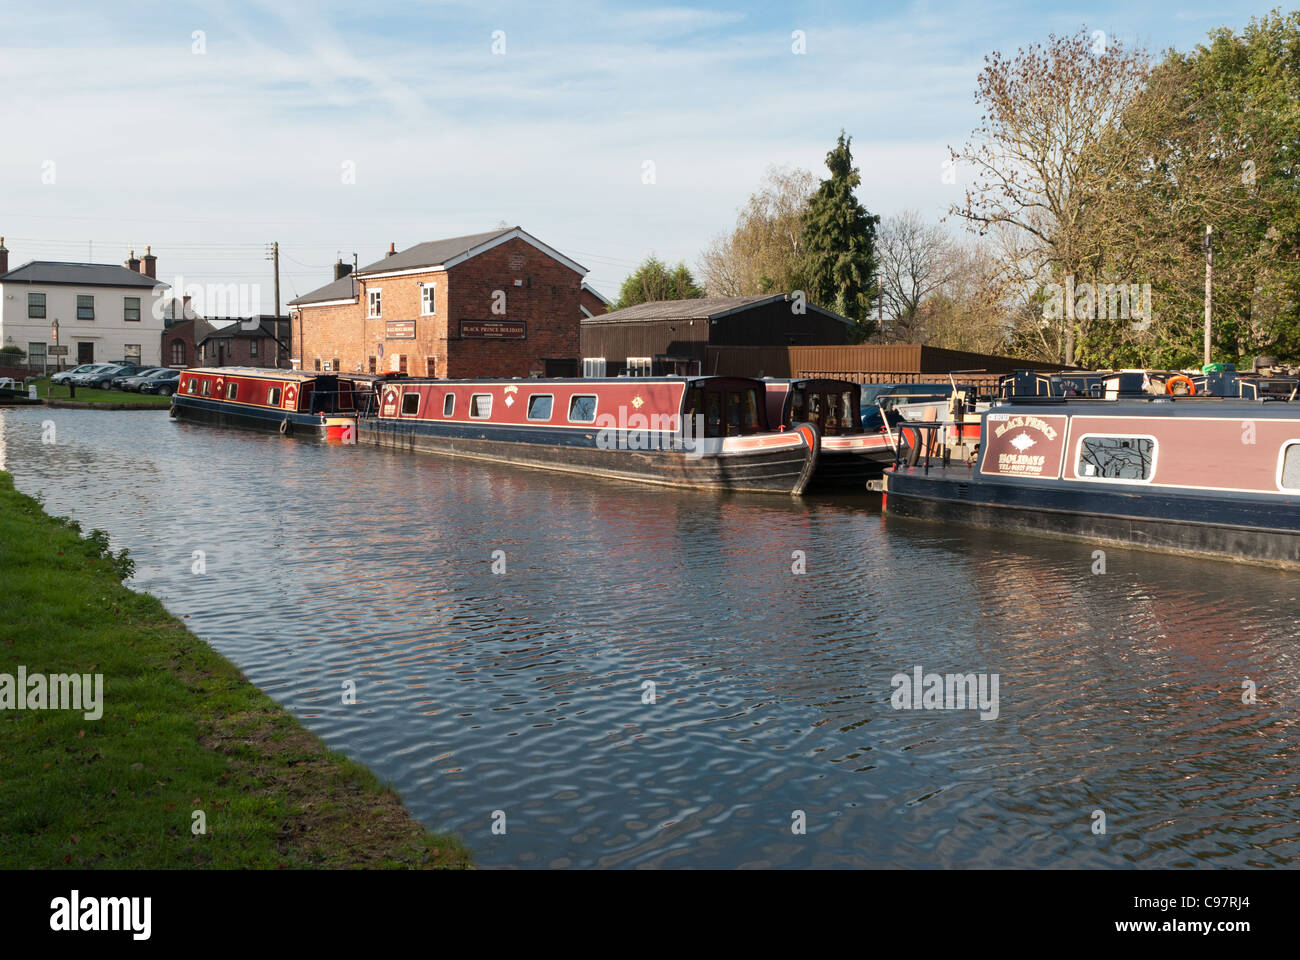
point(118, 380)
point(132, 383)
point(164, 383)
point(103, 379)
point(63, 376)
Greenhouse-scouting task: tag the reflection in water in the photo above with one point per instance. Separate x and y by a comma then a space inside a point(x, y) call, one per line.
point(522, 691)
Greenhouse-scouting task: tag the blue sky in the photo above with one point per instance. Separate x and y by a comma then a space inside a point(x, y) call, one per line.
point(208, 156)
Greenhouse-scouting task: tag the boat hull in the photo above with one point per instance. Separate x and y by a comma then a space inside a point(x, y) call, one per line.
point(287, 422)
point(1220, 527)
point(765, 463)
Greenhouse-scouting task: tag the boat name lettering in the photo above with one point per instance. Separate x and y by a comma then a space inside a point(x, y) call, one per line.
point(1032, 423)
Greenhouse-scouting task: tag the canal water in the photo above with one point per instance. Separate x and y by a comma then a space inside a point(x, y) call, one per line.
point(623, 676)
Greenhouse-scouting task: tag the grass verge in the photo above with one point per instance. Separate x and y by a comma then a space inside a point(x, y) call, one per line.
point(90, 395)
point(182, 731)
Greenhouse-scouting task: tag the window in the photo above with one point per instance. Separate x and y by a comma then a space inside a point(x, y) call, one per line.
point(372, 296)
point(193, 388)
point(410, 403)
point(428, 299)
point(85, 307)
point(36, 305)
point(448, 404)
point(232, 390)
point(337, 366)
point(401, 364)
point(35, 355)
point(178, 353)
point(1116, 458)
point(131, 308)
point(252, 347)
point(639, 366)
point(480, 405)
point(582, 408)
point(318, 363)
point(372, 364)
point(539, 406)
point(273, 397)
point(207, 388)
point(131, 353)
point(327, 366)
point(742, 412)
point(593, 366)
point(430, 366)
point(1289, 469)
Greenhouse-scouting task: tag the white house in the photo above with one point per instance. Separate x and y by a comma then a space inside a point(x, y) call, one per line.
point(104, 312)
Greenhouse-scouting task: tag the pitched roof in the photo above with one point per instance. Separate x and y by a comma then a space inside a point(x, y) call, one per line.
point(700, 308)
point(342, 289)
point(434, 253)
point(79, 274)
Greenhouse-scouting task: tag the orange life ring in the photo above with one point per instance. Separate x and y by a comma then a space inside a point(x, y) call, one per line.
point(1191, 387)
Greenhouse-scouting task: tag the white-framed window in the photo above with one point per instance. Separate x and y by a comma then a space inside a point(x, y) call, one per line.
point(582, 408)
point(593, 366)
point(252, 347)
point(1120, 458)
point(480, 406)
point(130, 308)
point(85, 306)
point(448, 404)
point(375, 301)
point(639, 366)
point(410, 403)
point(36, 305)
point(273, 397)
point(1288, 466)
point(428, 299)
point(326, 365)
point(232, 390)
point(540, 406)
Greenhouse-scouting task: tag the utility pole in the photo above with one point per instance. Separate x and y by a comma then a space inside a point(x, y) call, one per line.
point(1209, 279)
point(273, 254)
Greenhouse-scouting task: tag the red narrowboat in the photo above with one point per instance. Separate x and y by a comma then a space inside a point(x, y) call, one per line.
point(292, 402)
point(1211, 476)
point(850, 456)
point(706, 432)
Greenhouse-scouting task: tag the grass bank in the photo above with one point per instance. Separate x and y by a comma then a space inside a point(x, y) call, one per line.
point(181, 731)
point(93, 395)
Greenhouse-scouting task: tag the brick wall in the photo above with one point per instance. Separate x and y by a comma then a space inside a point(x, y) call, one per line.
point(546, 300)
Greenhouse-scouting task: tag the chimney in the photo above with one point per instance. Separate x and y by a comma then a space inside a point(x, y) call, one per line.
point(341, 269)
point(392, 250)
point(185, 306)
point(4, 256)
point(149, 264)
point(133, 263)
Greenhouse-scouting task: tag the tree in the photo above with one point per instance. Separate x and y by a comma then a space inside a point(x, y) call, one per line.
point(1043, 110)
point(839, 236)
point(763, 253)
point(655, 280)
point(915, 262)
point(1212, 139)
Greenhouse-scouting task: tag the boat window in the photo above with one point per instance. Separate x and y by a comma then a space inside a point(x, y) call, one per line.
point(582, 408)
point(273, 397)
point(1116, 458)
point(742, 412)
point(1290, 474)
point(798, 405)
point(539, 406)
point(480, 405)
point(232, 391)
point(410, 403)
point(207, 388)
point(194, 385)
point(448, 404)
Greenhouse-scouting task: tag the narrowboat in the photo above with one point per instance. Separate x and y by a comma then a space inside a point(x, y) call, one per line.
point(292, 402)
point(704, 432)
point(851, 456)
point(1199, 475)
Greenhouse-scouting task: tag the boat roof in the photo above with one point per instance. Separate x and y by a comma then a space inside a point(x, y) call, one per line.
point(1164, 405)
point(266, 373)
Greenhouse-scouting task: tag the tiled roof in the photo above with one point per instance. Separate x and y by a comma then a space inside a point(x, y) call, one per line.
point(79, 274)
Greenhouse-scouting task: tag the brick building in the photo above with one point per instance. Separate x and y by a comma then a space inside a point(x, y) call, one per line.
point(498, 304)
point(253, 342)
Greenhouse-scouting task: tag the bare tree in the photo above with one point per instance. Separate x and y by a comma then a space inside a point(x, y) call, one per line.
point(763, 252)
point(915, 262)
point(1043, 109)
